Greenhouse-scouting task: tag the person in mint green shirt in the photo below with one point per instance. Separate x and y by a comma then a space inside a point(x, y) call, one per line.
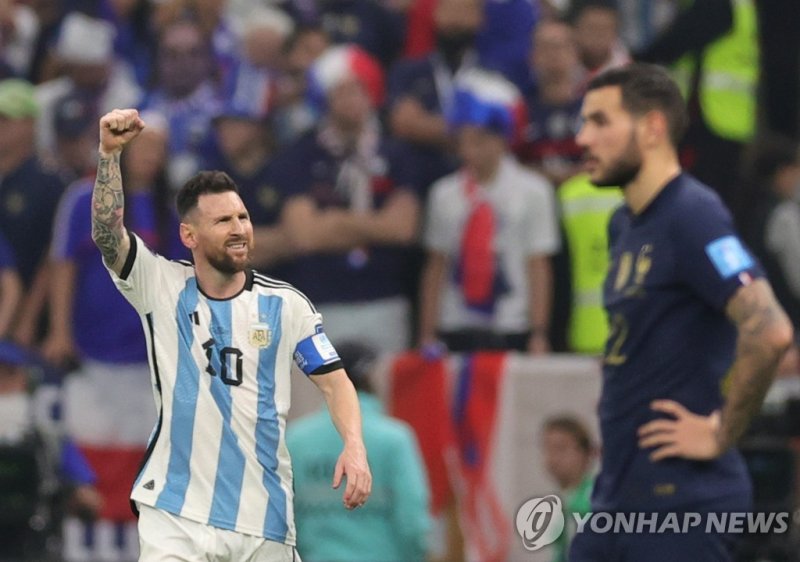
point(394, 525)
point(569, 454)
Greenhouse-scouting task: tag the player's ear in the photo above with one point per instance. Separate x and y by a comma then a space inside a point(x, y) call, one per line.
point(655, 128)
point(188, 235)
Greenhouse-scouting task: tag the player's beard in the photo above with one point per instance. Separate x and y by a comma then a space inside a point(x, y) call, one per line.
point(624, 169)
point(224, 263)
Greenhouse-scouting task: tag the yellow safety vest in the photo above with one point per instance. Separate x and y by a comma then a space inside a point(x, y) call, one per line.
point(729, 76)
point(585, 212)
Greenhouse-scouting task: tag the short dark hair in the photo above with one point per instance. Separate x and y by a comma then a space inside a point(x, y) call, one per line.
point(574, 427)
point(648, 87)
point(200, 184)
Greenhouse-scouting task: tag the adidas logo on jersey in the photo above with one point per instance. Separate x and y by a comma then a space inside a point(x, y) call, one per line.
point(150, 485)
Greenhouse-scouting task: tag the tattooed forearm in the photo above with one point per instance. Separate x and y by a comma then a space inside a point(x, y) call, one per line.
point(764, 335)
point(107, 207)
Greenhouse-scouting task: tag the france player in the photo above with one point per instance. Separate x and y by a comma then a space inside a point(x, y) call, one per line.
point(688, 306)
point(217, 477)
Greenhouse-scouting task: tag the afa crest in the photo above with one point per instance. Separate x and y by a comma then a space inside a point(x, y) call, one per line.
point(260, 335)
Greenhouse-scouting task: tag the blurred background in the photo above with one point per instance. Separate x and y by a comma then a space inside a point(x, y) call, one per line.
point(410, 165)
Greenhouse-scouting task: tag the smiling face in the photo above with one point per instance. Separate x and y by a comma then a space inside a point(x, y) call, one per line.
point(609, 138)
point(219, 232)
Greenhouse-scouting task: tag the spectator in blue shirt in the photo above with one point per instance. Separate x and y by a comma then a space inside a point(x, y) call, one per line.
point(29, 193)
point(394, 525)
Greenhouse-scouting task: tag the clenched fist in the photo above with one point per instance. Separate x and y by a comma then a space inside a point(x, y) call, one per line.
point(117, 128)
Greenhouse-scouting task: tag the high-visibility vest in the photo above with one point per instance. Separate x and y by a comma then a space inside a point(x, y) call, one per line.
point(728, 81)
point(585, 212)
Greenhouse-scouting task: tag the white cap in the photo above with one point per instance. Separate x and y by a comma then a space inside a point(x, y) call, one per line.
point(85, 40)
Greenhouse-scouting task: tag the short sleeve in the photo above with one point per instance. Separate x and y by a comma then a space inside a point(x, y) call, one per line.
point(141, 277)
point(711, 257)
point(314, 353)
point(543, 235)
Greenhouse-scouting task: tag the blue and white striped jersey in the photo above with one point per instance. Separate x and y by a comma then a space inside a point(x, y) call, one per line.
point(221, 376)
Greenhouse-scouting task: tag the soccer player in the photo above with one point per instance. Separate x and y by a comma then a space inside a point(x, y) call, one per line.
point(217, 476)
point(688, 306)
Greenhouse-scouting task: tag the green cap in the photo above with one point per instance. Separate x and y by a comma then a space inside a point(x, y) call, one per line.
point(17, 100)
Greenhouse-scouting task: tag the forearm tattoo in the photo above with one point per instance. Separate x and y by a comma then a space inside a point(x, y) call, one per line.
point(107, 207)
point(756, 361)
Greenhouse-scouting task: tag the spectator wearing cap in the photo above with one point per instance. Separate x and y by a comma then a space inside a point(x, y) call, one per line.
point(352, 206)
point(187, 94)
point(394, 525)
point(84, 51)
point(108, 402)
point(29, 193)
point(38, 463)
point(245, 153)
point(490, 230)
point(75, 120)
point(10, 287)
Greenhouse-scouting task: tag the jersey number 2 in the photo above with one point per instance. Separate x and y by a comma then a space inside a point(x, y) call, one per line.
point(230, 360)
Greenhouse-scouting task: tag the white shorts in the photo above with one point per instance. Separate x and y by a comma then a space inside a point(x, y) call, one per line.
point(164, 537)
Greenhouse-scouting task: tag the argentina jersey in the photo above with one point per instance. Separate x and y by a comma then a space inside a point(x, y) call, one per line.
point(221, 378)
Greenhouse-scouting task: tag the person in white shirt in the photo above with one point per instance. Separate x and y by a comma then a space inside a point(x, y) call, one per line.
point(217, 476)
point(491, 228)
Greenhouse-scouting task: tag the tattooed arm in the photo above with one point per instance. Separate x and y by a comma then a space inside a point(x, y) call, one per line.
point(765, 334)
point(117, 128)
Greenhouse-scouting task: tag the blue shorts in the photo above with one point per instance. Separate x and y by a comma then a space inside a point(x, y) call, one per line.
point(589, 546)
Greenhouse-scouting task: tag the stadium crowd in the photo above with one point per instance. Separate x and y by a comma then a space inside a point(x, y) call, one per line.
point(410, 165)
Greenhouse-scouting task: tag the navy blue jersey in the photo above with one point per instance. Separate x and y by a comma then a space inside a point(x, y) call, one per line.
point(674, 268)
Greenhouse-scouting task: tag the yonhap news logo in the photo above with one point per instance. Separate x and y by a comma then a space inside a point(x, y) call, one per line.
point(541, 521)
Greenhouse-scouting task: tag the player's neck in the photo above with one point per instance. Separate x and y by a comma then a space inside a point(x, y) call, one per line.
point(657, 171)
point(217, 284)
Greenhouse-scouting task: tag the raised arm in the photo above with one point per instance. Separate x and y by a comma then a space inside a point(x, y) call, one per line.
point(117, 128)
